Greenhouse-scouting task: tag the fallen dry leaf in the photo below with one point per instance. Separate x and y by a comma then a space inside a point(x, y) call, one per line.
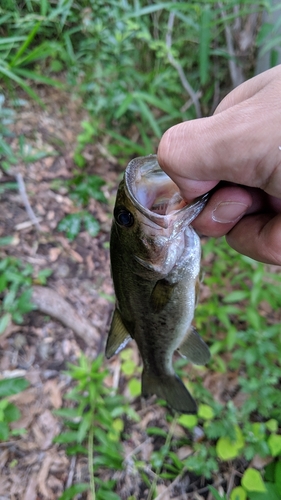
point(43, 475)
point(45, 429)
point(51, 388)
point(30, 492)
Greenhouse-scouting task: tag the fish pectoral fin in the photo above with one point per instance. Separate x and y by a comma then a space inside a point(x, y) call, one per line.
point(194, 348)
point(161, 295)
point(118, 336)
point(171, 389)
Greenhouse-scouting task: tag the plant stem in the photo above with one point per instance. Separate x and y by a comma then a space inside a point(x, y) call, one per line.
point(91, 461)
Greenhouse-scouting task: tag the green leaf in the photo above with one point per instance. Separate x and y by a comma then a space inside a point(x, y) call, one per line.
point(274, 443)
point(278, 476)
point(236, 296)
point(238, 493)
point(71, 492)
point(188, 421)
point(39, 78)
point(11, 413)
point(12, 76)
point(206, 412)
point(25, 44)
point(134, 387)
point(124, 106)
point(66, 437)
point(4, 322)
point(148, 115)
point(84, 426)
point(6, 240)
point(71, 224)
point(128, 367)
point(271, 493)
point(227, 449)
point(4, 431)
point(134, 147)
point(68, 413)
point(107, 495)
point(216, 494)
point(252, 480)
point(156, 431)
point(91, 224)
point(24, 302)
point(272, 425)
point(11, 386)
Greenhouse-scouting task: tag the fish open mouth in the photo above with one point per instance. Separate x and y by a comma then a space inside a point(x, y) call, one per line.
point(154, 190)
point(155, 195)
point(163, 205)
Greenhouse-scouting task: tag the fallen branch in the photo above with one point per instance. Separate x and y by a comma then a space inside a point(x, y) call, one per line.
point(50, 302)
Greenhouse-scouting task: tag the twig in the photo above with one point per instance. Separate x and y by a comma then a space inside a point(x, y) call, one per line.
point(236, 72)
point(231, 482)
point(186, 85)
point(136, 450)
point(22, 192)
point(172, 485)
point(71, 471)
point(26, 224)
point(50, 302)
point(116, 375)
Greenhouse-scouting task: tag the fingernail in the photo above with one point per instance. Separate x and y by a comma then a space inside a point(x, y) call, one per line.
point(228, 211)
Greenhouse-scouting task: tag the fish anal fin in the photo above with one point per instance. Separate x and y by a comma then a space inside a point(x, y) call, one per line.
point(161, 295)
point(118, 336)
point(171, 389)
point(194, 348)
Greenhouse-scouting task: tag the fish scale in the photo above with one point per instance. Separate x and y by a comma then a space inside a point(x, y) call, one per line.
point(155, 265)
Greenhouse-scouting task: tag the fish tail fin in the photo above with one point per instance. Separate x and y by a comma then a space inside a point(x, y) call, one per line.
point(171, 389)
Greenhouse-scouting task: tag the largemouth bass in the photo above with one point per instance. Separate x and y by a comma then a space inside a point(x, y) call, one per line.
point(155, 263)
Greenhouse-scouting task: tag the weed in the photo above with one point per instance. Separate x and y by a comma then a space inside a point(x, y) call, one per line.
point(8, 411)
point(16, 281)
point(94, 425)
point(84, 188)
point(15, 290)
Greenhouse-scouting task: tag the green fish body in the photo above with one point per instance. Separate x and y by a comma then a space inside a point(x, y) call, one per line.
point(155, 262)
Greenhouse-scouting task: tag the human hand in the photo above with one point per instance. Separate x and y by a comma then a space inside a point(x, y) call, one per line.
point(241, 145)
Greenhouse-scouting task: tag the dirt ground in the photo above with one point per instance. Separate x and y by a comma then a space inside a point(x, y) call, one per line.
point(31, 466)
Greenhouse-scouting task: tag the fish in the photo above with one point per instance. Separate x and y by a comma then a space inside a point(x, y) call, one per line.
point(155, 266)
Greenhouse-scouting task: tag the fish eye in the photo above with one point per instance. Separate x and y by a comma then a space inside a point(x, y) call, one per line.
point(123, 217)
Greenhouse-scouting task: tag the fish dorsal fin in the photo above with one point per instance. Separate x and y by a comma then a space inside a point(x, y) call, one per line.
point(194, 348)
point(118, 336)
point(161, 295)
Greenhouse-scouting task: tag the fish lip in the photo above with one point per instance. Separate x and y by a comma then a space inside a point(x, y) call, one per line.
point(184, 215)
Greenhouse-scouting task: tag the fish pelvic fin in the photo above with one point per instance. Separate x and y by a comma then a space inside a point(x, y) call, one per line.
point(118, 336)
point(171, 389)
point(194, 348)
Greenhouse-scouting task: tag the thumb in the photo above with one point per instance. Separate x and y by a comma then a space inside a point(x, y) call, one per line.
point(239, 144)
